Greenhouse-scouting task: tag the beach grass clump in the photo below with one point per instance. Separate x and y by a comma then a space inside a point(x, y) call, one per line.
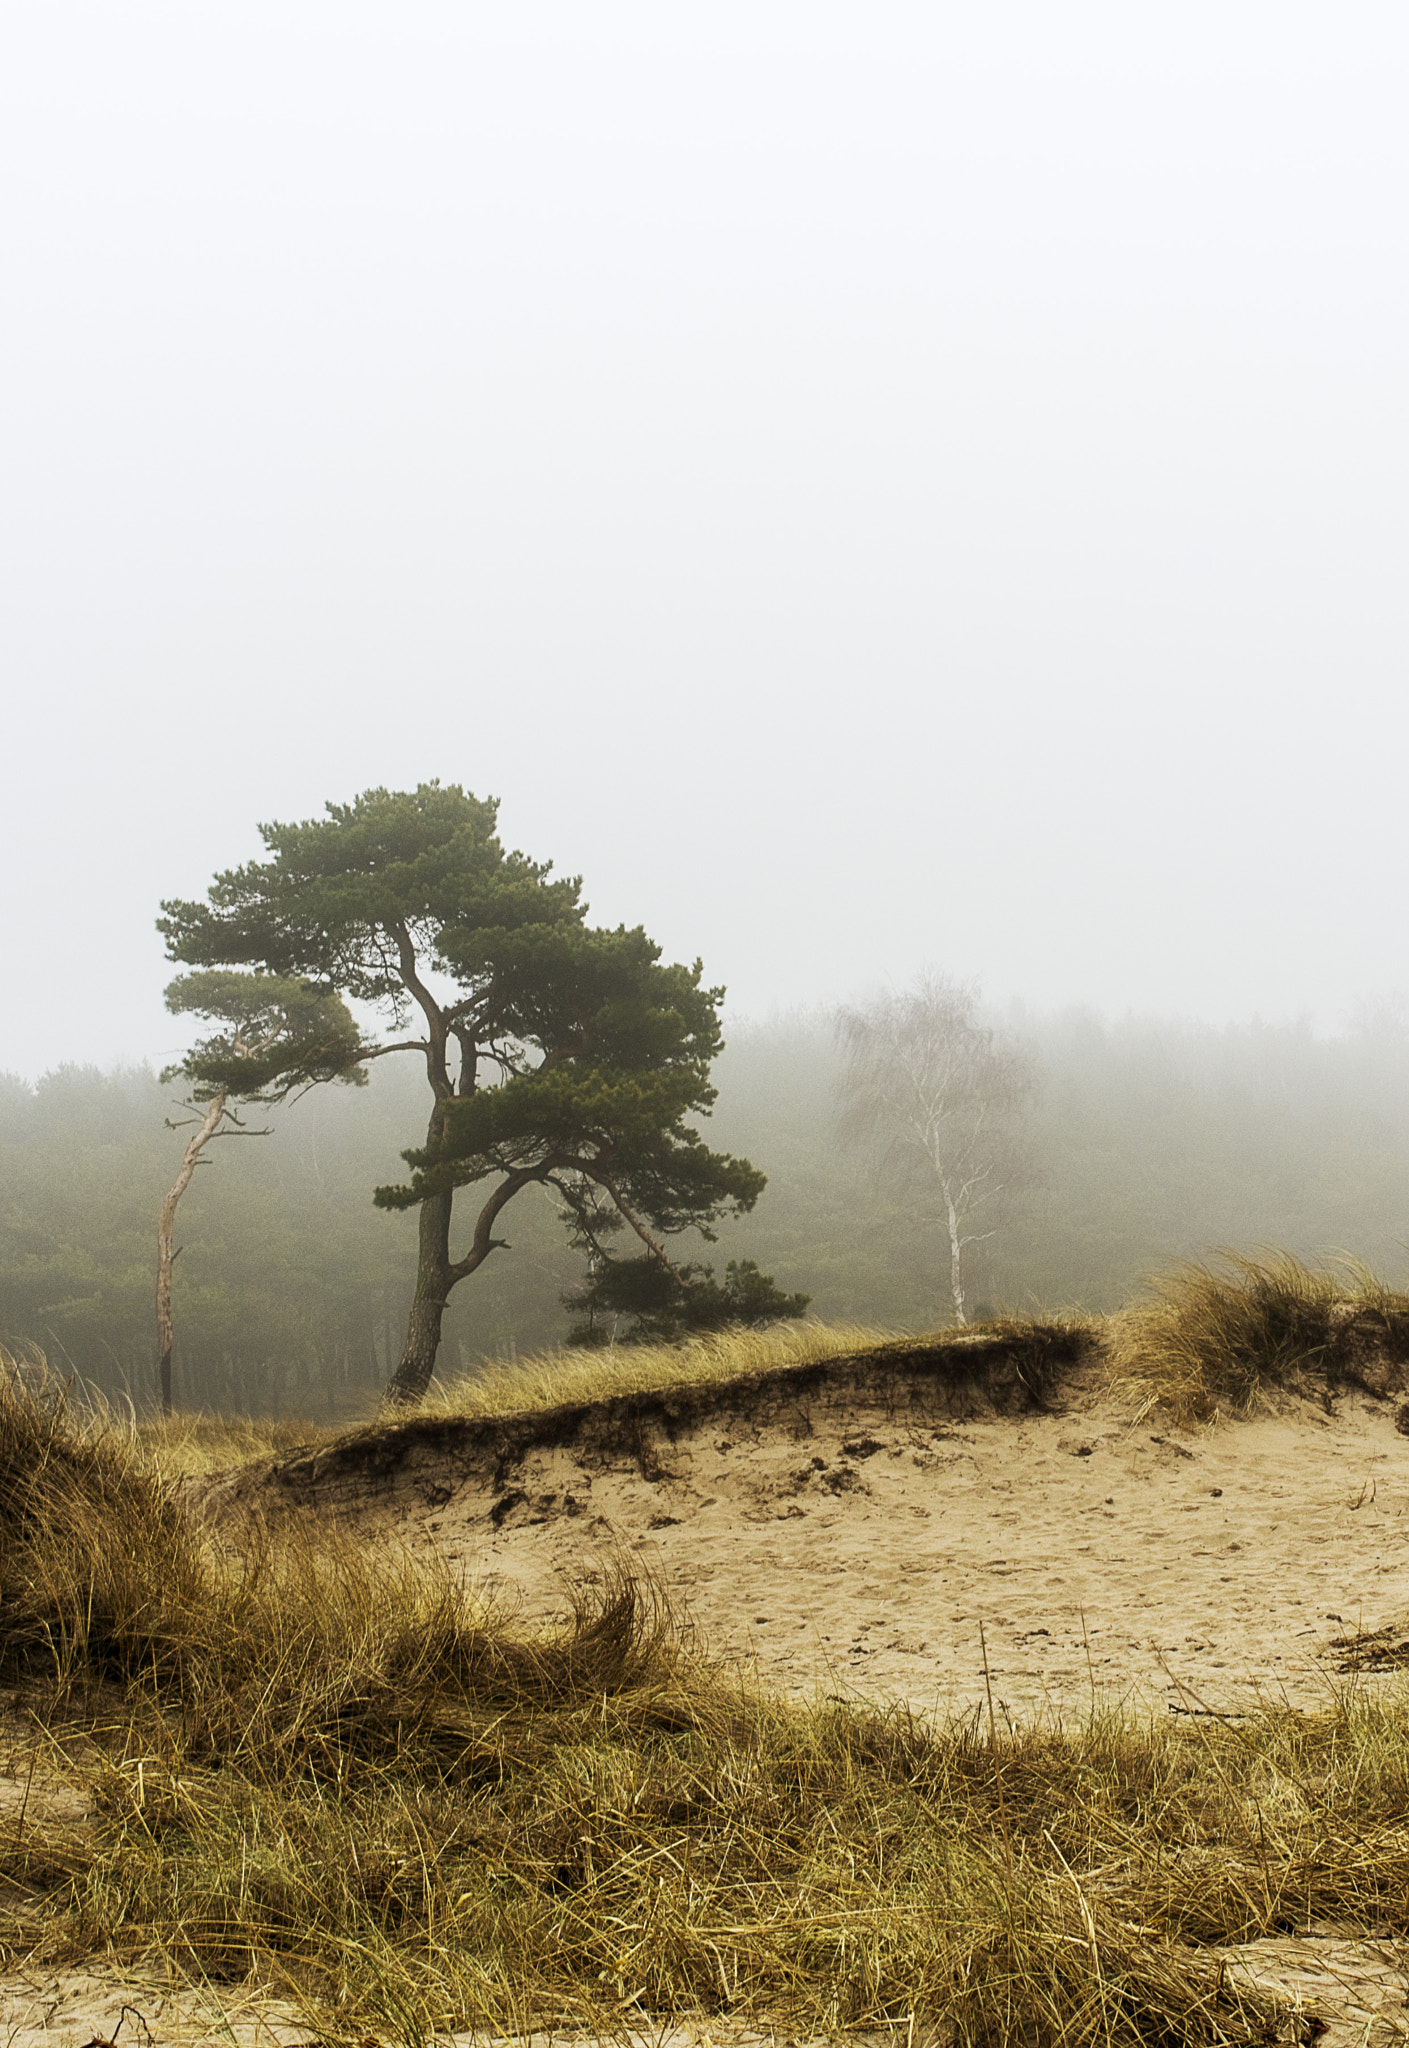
point(185, 1444)
point(566, 1374)
point(1215, 1338)
point(352, 1784)
point(193, 1445)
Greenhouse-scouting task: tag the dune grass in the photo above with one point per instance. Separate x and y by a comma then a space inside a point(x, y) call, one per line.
point(1214, 1338)
point(351, 1783)
point(191, 1444)
point(557, 1377)
point(186, 1445)
point(1206, 1339)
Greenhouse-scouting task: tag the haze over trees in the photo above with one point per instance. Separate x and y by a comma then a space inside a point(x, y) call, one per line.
point(934, 1094)
point(556, 1054)
point(1159, 1140)
point(277, 1035)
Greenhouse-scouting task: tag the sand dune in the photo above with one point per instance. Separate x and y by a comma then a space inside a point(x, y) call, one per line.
point(855, 1527)
point(937, 1527)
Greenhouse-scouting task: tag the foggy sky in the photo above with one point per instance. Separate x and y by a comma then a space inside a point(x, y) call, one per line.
point(864, 485)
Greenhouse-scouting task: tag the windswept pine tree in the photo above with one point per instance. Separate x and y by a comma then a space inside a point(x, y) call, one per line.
point(556, 1054)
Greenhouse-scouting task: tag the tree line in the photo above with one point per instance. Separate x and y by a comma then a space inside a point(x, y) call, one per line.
point(1156, 1141)
point(927, 1161)
point(1141, 1142)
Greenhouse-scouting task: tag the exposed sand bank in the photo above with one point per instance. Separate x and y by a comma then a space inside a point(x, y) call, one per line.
point(849, 1531)
point(871, 1526)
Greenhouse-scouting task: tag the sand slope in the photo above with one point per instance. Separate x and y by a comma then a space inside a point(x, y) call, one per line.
point(864, 1526)
point(856, 1526)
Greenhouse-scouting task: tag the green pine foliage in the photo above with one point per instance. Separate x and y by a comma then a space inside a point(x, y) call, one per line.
point(639, 1301)
point(275, 1035)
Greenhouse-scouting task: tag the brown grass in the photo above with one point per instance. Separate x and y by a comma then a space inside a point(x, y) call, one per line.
point(186, 1445)
point(359, 1786)
point(1212, 1339)
point(557, 1377)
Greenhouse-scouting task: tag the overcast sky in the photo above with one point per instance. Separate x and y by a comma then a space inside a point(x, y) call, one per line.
point(865, 485)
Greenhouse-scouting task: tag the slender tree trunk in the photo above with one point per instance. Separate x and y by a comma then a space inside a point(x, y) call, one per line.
point(166, 1257)
point(409, 1382)
point(956, 1250)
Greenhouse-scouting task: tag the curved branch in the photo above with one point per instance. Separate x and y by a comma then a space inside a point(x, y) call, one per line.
point(482, 1243)
point(375, 1052)
point(583, 1213)
point(653, 1245)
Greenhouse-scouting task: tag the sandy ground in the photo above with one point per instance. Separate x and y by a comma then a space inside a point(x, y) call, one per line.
point(1088, 1551)
point(1343, 1994)
point(92, 2008)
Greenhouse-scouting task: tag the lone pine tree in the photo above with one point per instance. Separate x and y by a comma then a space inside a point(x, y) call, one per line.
point(556, 1054)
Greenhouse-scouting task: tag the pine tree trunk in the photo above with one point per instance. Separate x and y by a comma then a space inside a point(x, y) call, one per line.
point(409, 1382)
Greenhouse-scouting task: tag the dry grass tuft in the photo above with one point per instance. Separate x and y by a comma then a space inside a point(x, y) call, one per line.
point(1212, 1339)
point(558, 1378)
point(357, 1786)
point(185, 1446)
point(188, 1444)
point(566, 1377)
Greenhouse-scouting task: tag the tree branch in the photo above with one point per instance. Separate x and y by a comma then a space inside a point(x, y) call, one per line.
point(580, 1209)
point(482, 1243)
point(375, 1052)
point(653, 1246)
point(166, 1223)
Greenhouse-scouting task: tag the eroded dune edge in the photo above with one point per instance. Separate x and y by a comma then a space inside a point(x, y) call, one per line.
point(942, 1690)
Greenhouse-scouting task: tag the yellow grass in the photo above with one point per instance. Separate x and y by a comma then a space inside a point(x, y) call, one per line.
point(354, 1783)
point(1205, 1339)
point(556, 1378)
point(186, 1445)
point(1211, 1339)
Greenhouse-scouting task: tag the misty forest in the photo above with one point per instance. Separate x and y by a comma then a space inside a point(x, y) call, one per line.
point(704, 1125)
point(1100, 1151)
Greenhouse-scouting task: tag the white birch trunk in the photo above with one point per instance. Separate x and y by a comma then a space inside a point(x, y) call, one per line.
point(956, 1251)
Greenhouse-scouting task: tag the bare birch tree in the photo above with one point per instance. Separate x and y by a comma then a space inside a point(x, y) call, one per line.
point(936, 1095)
